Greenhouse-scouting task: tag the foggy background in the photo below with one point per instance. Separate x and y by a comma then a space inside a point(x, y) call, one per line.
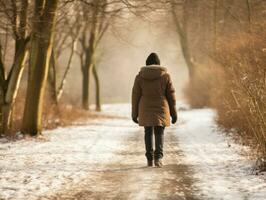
point(126, 47)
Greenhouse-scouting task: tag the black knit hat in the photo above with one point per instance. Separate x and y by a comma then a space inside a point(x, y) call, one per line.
point(153, 59)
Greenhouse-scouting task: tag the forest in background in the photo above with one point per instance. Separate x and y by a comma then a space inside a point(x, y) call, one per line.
point(222, 43)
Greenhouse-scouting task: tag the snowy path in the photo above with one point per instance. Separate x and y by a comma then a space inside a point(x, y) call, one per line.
point(105, 160)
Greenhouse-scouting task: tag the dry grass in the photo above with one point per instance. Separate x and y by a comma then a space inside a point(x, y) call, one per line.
point(237, 90)
point(63, 114)
point(244, 92)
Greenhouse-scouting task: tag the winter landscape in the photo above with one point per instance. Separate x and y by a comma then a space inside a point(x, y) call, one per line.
point(103, 159)
point(132, 100)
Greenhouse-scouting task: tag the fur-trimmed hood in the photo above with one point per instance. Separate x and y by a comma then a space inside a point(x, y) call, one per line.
point(152, 72)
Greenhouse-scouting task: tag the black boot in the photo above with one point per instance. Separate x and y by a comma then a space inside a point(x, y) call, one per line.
point(149, 163)
point(158, 163)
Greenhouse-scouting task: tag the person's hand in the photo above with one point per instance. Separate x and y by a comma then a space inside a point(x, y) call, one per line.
point(174, 119)
point(135, 120)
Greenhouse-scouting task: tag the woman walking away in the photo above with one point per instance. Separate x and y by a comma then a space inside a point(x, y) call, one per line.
point(153, 102)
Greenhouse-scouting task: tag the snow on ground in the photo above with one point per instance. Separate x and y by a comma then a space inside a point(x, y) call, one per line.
point(106, 157)
point(32, 168)
point(221, 171)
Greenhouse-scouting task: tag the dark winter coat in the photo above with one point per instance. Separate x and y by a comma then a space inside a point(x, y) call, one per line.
point(153, 97)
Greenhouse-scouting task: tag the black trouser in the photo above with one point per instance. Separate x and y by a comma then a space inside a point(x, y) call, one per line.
point(159, 133)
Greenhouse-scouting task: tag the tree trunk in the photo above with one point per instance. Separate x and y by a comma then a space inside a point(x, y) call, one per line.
point(85, 89)
point(215, 26)
point(183, 39)
point(41, 48)
point(52, 78)
point(10, 85)
point(89, 62)
point(10, 90)
point(6, 118)
point(60, 89)
point(187, 55)
point(97, 87)
point(2, 91)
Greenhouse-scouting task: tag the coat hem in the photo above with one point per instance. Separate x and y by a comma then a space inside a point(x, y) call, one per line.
point(163, 125)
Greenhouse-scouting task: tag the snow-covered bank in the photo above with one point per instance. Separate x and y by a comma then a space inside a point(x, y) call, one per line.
point(220, 171)
point(31, 168)
point(106, 157)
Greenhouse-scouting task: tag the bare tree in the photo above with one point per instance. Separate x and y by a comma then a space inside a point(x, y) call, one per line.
point(41, 48)
point(98, 16)
point(14, 16)
point(67, 32)
point(97, 19)
point(181, 28)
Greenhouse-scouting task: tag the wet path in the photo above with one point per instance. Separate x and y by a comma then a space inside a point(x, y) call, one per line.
point(127, 177)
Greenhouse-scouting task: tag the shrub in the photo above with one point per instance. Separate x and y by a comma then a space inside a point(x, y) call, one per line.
point(237, 90)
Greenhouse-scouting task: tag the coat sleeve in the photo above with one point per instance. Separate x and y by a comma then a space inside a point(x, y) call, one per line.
point(170, 95)
point(136, 94)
